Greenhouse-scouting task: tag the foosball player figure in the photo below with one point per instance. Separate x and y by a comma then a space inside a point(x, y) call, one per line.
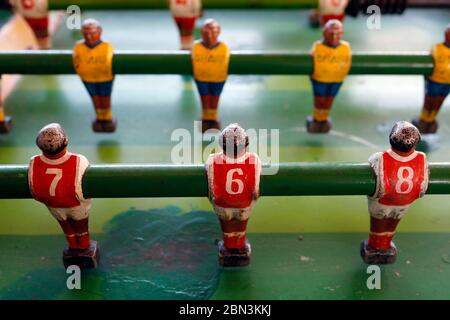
point(401, 177)
point(92, 60)
point(328, 10)
point(185, 14)
point(35, 12)
point(233, 184)
point(55, 179)
point(437, 86)
point(332, 60)
point(5, 121)
point(210, 60)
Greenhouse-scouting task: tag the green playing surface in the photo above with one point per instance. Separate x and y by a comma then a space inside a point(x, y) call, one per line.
point(303, 247)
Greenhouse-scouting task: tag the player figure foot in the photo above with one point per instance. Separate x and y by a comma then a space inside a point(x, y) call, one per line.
point(234, 257)
point(85, 259)
point(425, 127)
point(210, 124)
point(378, 256)
point(104, 125)
point(314, 126)
point(6, 126)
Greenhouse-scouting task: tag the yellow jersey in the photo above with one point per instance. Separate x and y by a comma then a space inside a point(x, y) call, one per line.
point(441, 57)
point(93, 64)
point(210, 65)
point(331, 64)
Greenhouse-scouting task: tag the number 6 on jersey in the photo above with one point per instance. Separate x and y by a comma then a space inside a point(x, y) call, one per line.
point(230, 180)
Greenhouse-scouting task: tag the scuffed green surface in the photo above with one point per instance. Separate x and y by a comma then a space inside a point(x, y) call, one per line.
point(328, 266)
point(183, 265)
point(155, 254)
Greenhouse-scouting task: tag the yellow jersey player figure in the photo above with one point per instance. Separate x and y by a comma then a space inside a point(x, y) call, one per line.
point(185, 14)
point(332, 60)
point(92, 60)
point(233, 184)
point(5, 121)
point(437, 86)
point(55, 179)
point(210, 60)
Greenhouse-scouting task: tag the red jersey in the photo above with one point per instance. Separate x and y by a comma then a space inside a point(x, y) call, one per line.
point(55, 182)
point(403, 179)
point(233, 182)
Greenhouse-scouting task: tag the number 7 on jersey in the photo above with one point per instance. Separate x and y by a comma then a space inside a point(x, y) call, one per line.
point(58, 176)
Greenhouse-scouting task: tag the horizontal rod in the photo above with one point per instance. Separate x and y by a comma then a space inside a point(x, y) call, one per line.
point(241, 63)
point(161, 181)
point(162, 4)
point(216, 4)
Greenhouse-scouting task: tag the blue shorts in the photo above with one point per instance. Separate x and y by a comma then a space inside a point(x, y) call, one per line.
point(99, 88)
point(325, 89)
point(209, 88)
point(434, 89)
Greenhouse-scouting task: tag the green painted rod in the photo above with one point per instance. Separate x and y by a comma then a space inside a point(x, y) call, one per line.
point(163, 4)
point(215, 4)
point(241, 63)
point(163, 181)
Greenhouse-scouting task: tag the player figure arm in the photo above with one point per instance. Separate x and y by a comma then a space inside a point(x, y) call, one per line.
point(210, 177)
point(258, 169)
point(375, 164)
point(426, 172)
point(82, 166)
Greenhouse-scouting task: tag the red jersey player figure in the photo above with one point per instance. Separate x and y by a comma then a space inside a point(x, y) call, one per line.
point(92, 59)
point(328, 10)
point(35, 12)
point(185, 14)
point(332, 60)
point(233, 183)
point(55, 179)
point(210, 60)
point(437, 86)
point(401, 178)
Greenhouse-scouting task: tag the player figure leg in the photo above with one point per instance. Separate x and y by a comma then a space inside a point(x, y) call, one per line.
point(314, 19)
point(69, 233)
point(327, 17)
point(101, 97)
point(5, 121)
point(379, 248)
point(86, 254)
point(40, 29)
point(234, 249)
point(324, 94)
point(210, 96)
point(319, 122)
point(435, 94)
point(186, 30)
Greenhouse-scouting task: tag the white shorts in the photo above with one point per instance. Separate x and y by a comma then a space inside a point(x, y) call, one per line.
point(77, 213)
point(233, 213)
point(381, 211)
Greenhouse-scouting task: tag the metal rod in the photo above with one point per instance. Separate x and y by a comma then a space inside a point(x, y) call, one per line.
point(292, 179)
point(216, 4)
point(241, 63)
point(162, 4)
